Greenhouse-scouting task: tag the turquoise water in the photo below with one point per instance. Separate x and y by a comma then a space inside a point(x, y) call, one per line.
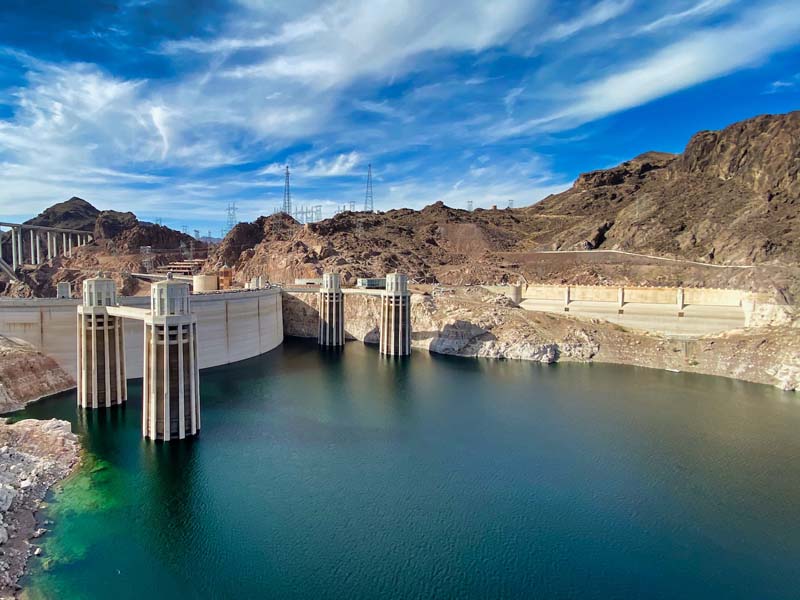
point(344, 475)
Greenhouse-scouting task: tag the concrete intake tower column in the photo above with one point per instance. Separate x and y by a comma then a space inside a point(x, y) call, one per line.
point(101, 347)
point(171, 383)
point(396, 316)
point(331, 311)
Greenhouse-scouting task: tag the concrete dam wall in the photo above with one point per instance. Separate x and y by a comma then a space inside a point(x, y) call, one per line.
point(231, 326)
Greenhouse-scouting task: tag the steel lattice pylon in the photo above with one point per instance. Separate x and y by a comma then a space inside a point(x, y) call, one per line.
point(287, 194)
point(369, 204)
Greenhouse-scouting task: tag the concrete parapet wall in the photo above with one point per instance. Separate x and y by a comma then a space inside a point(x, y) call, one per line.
point(544, 292)
point(594, 293)
point(641, 295)
point(231, 326)
point(712, 297)
point(652, 295)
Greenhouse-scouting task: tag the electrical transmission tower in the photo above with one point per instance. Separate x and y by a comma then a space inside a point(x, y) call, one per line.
point(232, 221)
point(369, 203)
point(469, 205)
point(147, 258)
point(510, 203)
point(287, 195)
point(197, 234)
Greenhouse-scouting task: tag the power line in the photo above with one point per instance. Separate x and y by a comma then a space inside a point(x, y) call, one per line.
point(369, 203)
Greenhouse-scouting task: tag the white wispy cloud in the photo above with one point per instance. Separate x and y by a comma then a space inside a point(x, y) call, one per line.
point(417, 88)
point(698, 57)
point(358, 39)
point(600, 13)
point(701, 9)
point(289, 32)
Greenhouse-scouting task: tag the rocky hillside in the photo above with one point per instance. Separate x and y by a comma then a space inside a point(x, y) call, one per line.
point(732, 197)
point(421, 243)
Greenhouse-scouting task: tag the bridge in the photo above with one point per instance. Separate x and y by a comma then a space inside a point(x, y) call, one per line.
point(28, 249)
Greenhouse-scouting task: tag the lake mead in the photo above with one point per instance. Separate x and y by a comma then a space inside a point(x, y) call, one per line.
point(347, 475)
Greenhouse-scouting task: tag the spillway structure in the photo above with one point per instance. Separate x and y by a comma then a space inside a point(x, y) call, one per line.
point(331, 311)
point(395, 328)
point(171, 384)
point(101, 347)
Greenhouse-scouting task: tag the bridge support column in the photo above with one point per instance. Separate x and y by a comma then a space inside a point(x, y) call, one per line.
point(38, 249)
point(331, 311)
point(395, 331)
point(33, 248)
point(171, 384)
point(14, 249)
point(69, 244)
point(101, 347)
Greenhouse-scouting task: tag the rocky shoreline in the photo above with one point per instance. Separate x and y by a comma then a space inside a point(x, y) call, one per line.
point(34, 456)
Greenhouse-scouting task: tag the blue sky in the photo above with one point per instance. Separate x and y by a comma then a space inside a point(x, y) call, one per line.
point(174, 109)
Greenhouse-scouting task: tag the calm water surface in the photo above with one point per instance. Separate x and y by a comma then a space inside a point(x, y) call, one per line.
point(322, 475)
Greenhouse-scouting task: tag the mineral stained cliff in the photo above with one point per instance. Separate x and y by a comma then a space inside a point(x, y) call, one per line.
point(477, 323)
point(27, 375)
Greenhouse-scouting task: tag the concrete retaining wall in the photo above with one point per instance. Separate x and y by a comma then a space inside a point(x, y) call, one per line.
point(231, 326)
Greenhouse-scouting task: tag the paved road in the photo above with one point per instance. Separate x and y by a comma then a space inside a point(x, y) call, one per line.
point(662, 318)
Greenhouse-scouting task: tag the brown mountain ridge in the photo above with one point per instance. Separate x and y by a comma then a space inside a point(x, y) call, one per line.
point(731, 198)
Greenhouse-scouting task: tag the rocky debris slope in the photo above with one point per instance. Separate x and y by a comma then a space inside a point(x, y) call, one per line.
point(476, 323)
point(731, 197)
point(34, 455)
point(27, 375)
